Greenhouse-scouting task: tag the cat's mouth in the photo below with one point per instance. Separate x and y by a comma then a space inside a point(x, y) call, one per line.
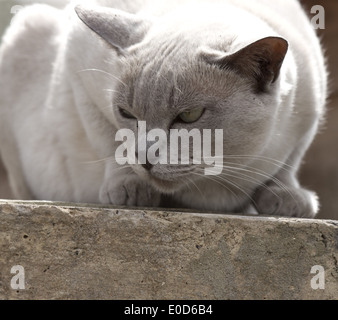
point(171, 181)
point(166, 186)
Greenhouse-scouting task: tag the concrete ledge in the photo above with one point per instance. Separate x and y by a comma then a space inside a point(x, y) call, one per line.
point(78, 252)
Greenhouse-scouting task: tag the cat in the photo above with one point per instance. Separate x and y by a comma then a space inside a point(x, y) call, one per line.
point(71, 78)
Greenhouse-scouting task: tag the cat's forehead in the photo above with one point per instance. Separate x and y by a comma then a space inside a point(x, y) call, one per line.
point(171, 76)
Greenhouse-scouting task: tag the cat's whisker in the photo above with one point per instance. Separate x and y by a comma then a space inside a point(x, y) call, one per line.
point(279, 164)
point(239, 156)
point(108, 107)
point(178, 89)
point(127, 170)
point(130, 170)
point(213, 179)
point(110, 90)
point(247, 178)
point(112, 159)
point(263, 158)
point(245, 166)
point(258, 172)
point(196, 186)
point(232, 183)
point(104, 161)
point(238, 175)
point(261, 173)
point(111, 63)
point(187, 182)
point(97, 161)
point(122, 60)
point(241, 175)
point(123, 168)
point(279, 183)
point(106, 73)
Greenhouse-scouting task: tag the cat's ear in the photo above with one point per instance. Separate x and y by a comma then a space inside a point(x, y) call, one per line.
point(261, 61)
point(118, 28)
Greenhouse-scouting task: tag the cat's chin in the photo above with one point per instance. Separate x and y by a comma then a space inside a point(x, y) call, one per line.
point(162, 182)
point(165, 186)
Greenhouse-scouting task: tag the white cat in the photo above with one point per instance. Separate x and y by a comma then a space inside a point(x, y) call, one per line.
point(70, 78)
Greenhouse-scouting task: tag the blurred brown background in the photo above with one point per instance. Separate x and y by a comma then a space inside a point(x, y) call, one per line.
point(320, 169)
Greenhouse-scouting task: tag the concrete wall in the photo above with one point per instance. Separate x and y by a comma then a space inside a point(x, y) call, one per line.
point(78, 252)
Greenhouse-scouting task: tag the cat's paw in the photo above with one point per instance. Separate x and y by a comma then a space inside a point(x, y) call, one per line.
point(290, 202)
point(129, 192)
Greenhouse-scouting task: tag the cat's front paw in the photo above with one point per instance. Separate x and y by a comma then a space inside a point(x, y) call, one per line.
point(129, 192)
point(290, 202)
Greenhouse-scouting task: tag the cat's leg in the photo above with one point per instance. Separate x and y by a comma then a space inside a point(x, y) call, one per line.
point(17, 181)
point(289, 200)
point(283, 195)
point(124, 187)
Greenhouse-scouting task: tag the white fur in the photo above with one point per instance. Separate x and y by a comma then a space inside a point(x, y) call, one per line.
point(56, 126)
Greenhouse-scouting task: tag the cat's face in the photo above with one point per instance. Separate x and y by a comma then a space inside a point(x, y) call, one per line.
point(170, 83)
point(188, 92)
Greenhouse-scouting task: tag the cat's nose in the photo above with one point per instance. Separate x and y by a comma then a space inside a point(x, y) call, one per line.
point(148, 166)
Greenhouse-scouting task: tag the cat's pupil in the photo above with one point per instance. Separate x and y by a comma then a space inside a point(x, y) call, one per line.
point(191, 116)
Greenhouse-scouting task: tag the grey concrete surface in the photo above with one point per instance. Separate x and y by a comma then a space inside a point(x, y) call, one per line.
point(78, 252)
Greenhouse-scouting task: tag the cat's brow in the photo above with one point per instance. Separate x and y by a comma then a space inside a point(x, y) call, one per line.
point(171, 97)
point(130, 98)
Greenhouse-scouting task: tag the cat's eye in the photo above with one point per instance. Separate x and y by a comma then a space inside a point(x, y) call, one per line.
point(191, 116)
point(126, 114)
